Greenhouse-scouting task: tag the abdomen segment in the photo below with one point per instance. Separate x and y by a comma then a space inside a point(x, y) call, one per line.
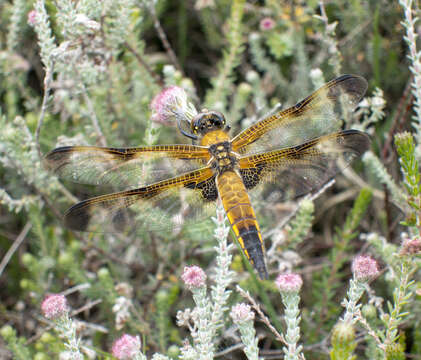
point(242, 218)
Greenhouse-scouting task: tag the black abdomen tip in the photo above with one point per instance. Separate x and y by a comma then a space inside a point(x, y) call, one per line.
point(254, 248)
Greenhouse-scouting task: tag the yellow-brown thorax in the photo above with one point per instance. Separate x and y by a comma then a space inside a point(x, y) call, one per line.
point(221, 157)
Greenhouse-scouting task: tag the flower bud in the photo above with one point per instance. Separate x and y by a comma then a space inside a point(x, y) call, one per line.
point(173, 352)
point(244, 89)
point(369, 311)
point(343, 332)
point(41, 356)
point(7, 331)
point(103, 273)
point(27, 259)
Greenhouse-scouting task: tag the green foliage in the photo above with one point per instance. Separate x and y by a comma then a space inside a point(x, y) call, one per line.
point(328, 280)
point(301, 224)
point(405, 147)
point(164, 300)
point(382, 175)
point(356, 215)
point(401, 297)
point(416, 347)
point(231, 58)
point(280, 45)
point(263, 62)
point(14, 343)
point(376, 47)
point(395, 352)
point(16, 21)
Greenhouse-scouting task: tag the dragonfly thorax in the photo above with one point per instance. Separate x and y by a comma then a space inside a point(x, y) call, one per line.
point(223, 158)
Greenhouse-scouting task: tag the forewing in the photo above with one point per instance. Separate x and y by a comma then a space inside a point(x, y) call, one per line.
point(163, 206)
point(304, 168)
point(316, 115)
point(125, 167)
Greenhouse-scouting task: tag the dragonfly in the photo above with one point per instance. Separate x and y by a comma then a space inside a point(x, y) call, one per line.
point(296, 151)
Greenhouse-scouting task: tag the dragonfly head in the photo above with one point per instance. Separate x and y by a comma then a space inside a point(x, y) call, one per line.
point(207, 121)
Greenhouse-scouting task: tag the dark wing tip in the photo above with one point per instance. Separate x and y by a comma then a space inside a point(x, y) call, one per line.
point(58, 152)
point(78, 216)
point(55, 158)
point(356, 84)
point(353, 85)
point(360, 140)
point(352, 79)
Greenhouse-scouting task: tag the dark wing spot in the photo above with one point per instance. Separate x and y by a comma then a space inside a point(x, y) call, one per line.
point(191, 185)
point(208, 187)
point(209, 190)
point(120, 220)
point(251, 176)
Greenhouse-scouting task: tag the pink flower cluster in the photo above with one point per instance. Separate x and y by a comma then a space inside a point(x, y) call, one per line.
point(126, 347)
point(194, 277)
point(241, 312)
point(364, 268)
point(289, 283)
point(54, 306)
point(266, 24)
point(411, 247)
point(32, 17)
point(168, 103)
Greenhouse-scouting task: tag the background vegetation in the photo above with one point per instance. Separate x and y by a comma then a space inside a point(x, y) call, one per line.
point(87, 71)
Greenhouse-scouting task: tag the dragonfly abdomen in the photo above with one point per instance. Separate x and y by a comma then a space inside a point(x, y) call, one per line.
point(242, 218)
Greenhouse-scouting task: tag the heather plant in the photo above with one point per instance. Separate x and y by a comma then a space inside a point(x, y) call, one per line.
point(343, 263)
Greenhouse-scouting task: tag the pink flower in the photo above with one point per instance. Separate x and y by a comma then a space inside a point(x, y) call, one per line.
point(126, 347)
point(171, 102)
point(411, 247)
point(32, 17)
point(54, 306)
point(289, 283)
point(241, 312)
point(364, 268)
point(193, 277)
point(267, 23)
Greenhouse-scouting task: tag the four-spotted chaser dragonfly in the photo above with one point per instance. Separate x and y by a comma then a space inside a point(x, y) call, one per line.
point(298, 150)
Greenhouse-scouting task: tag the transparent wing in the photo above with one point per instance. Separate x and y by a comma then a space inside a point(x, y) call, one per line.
point(125, 167)
point(316, 115)
point(304, 168)
point(163, 206)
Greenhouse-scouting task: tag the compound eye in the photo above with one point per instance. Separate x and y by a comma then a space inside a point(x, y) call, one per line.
point(221, 119)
